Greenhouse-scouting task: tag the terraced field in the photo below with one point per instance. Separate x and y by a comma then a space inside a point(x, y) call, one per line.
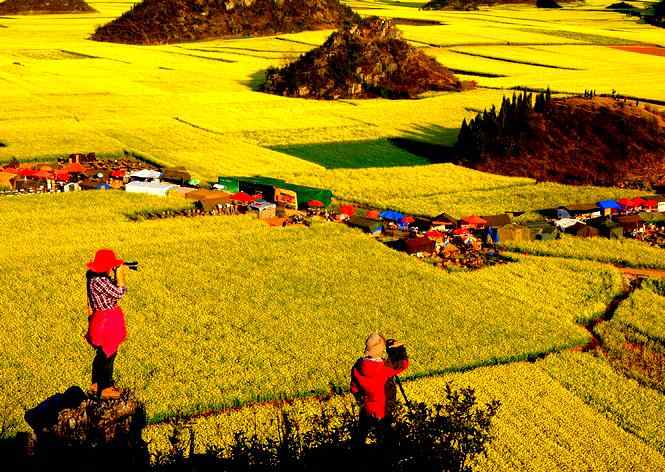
point(309, 296)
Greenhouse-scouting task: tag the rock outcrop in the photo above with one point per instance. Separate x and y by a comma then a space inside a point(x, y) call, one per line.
point(41, 7)
point(175, 21)
point(71, 427)
point(575, 140)
point(365, 59)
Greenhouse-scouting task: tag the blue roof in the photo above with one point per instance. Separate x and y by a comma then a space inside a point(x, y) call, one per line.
point(391, 215)
point(611, 204)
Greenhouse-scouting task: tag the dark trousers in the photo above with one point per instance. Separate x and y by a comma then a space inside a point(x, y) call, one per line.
point(102, 370)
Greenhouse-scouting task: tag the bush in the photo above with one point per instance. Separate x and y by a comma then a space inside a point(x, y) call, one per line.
point(443, 437)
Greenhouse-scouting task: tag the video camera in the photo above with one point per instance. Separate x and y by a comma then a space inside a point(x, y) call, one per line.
point(396, 353)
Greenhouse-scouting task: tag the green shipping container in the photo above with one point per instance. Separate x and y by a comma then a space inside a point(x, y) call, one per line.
point(230, 184)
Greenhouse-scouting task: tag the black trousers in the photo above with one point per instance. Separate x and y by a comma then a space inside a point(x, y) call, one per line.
point(102, 370)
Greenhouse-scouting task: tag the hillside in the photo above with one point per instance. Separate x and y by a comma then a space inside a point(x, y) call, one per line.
point(364, 60)
point(173, 21)
point(34, 7)
point(581, 141)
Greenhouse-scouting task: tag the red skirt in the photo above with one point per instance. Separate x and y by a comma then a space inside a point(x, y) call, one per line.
point(106, 330)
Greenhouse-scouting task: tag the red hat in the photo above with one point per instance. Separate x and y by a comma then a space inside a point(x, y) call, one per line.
point(105, 260)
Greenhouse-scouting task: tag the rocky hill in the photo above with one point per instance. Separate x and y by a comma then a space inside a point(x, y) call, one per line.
point(174, 21)
point(365, 59)
point(40, 7)
point(585, 141)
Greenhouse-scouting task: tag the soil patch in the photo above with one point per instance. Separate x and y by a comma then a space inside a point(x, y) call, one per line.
point(651, 50)
point(575, 140)
point(173, 21)
point(366, 59)
point(40, 7)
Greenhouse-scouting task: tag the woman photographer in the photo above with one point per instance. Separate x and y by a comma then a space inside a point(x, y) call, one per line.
point(372, 383)
point(106, 321)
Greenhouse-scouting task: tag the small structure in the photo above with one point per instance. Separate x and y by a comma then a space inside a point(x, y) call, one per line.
point(473, 221)
point(587, 231)
point(150, 188)
point(176, 175)
point(286, 198)
point(580, 209)
point(498, 221)
point(444, 222)
point(265, 210)
point(213, 201)
point(514, 232)
point(145, 175)
point(369, 225)
point(228, 184)
point(391, 215)
point(607, 207)
point(629, 222)
point(422, 245)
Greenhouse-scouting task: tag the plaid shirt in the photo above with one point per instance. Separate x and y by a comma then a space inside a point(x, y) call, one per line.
point(104, 294)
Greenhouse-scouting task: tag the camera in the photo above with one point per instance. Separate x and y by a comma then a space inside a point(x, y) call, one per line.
point(396, 353)
point(131, 265)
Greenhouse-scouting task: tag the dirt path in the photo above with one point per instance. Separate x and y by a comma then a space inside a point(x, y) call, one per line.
point(642, 273)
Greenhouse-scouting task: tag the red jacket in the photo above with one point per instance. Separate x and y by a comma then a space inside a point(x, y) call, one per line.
point(369, 379)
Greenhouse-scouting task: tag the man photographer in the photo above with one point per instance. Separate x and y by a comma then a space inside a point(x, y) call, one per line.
point(105, 283)
point(373, 384)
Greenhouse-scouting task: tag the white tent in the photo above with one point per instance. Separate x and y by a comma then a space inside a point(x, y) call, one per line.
point(565, 223)
point(145, 174)
point(150, 188)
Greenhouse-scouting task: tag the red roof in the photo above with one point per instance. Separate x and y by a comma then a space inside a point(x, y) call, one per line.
point(25, 172)
point(118, 174)
point(243, 197)
point(474, 220)
point(651, 203)
point(626, 203)
point(315, 204)
point(408, 219)
point(373, 214)
point(61, 175)
point(43, 174)
point(348, 210)
point(75, 167)
point(460, 231)
point(433, 234)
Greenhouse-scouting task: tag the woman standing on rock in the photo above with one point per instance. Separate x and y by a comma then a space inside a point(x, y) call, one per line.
point(106, 321)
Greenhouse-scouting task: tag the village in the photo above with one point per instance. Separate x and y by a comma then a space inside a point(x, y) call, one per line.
point(470, 242)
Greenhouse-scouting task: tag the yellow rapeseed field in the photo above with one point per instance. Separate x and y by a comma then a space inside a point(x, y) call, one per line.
point(226, 311)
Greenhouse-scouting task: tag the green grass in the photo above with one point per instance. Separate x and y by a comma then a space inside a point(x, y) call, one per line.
point(354, 155)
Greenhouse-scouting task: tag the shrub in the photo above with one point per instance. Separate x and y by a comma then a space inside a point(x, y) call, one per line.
point(443, 437)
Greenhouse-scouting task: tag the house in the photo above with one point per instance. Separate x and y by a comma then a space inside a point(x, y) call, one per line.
point(150, 188)
point(514, 232)
point(473, 221)
point(498, 221)
point(629, 222)
point(444, 222)
point(212, 201)
point(586, 231)
point(286, 198)
point(369, 225)
point(419, 245)
point(607, 207)
point(265, 210)
point(176, 175)
point(579, 209)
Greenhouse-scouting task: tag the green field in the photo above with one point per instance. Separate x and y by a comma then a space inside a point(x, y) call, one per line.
point(226, 311)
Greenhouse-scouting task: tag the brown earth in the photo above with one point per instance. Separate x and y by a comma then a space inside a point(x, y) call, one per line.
point(584, 141)
point(652, 50)
point(365, 59)
point(35, 7)
point(173, 21)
